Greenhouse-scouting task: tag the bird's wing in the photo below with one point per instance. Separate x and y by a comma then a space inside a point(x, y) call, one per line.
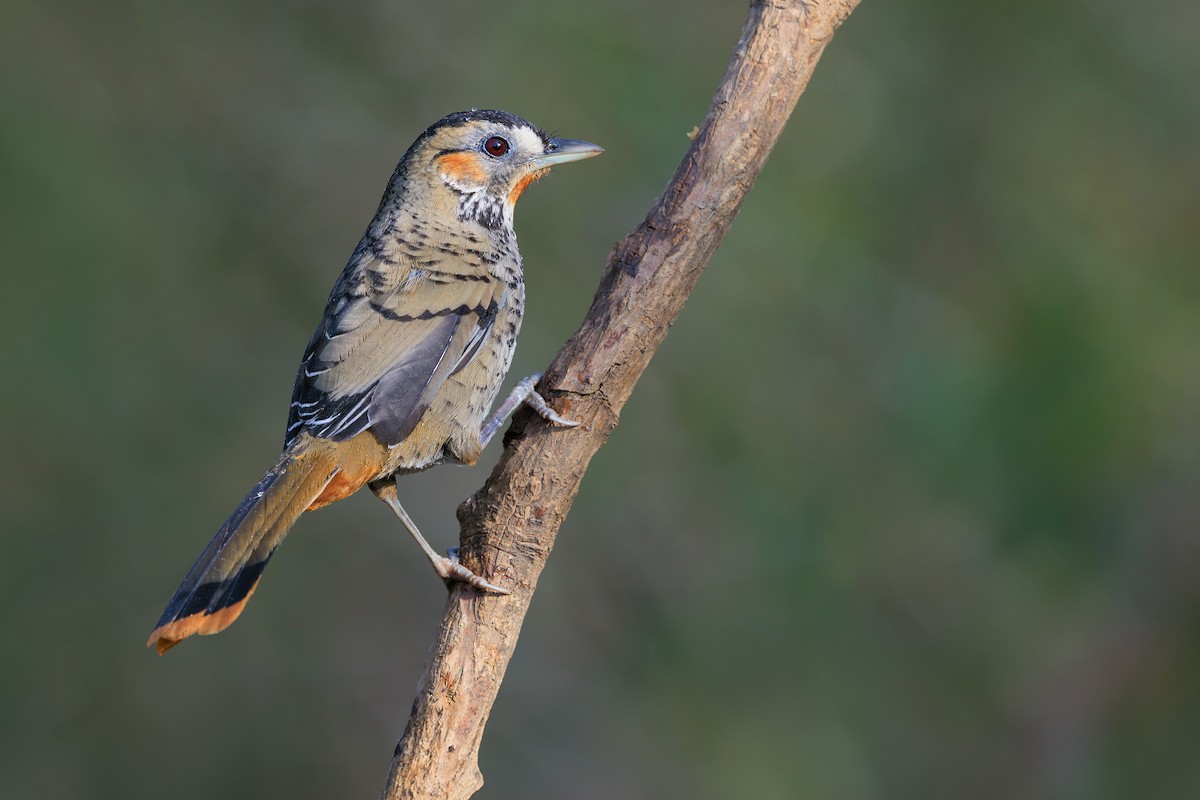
point(385, 347)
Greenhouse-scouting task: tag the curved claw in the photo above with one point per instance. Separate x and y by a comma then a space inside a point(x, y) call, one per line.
point(449, 569)
point(539, 404)
point(522, 393)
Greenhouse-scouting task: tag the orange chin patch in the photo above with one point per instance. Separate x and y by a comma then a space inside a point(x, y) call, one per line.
point(462, 168)
point(523, 184)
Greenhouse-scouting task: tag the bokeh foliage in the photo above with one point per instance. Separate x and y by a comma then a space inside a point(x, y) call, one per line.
point(906, 507)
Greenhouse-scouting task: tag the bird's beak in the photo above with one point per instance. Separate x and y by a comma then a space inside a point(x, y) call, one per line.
point(560, 151)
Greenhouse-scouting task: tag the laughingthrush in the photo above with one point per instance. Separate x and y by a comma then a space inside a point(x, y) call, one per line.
point(407, 361)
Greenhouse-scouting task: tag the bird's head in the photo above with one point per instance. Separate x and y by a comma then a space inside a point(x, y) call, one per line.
point(479, 162)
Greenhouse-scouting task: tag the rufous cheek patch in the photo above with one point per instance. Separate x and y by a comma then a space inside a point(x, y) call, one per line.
point(462, 168)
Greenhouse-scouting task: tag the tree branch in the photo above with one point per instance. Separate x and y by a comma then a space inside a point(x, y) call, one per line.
point(509, 526)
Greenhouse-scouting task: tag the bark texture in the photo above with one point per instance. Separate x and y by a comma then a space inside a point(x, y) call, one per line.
point(509, 526)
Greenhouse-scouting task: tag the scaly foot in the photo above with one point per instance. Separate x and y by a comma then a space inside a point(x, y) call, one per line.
point(449, 568)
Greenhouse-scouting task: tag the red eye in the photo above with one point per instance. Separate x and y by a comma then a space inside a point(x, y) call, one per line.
point(496, 146)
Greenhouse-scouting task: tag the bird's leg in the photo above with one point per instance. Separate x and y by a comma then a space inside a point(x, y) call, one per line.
point(448, 569)
point(523, 392)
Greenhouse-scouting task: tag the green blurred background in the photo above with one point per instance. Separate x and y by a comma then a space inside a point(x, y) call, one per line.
point(906, 506)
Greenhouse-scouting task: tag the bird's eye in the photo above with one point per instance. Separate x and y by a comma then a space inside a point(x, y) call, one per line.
point(496, 146)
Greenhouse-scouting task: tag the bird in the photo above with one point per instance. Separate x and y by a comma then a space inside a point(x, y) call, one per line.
point(416, 340)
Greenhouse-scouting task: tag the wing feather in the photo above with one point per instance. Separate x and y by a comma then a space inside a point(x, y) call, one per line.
point(385, 347)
